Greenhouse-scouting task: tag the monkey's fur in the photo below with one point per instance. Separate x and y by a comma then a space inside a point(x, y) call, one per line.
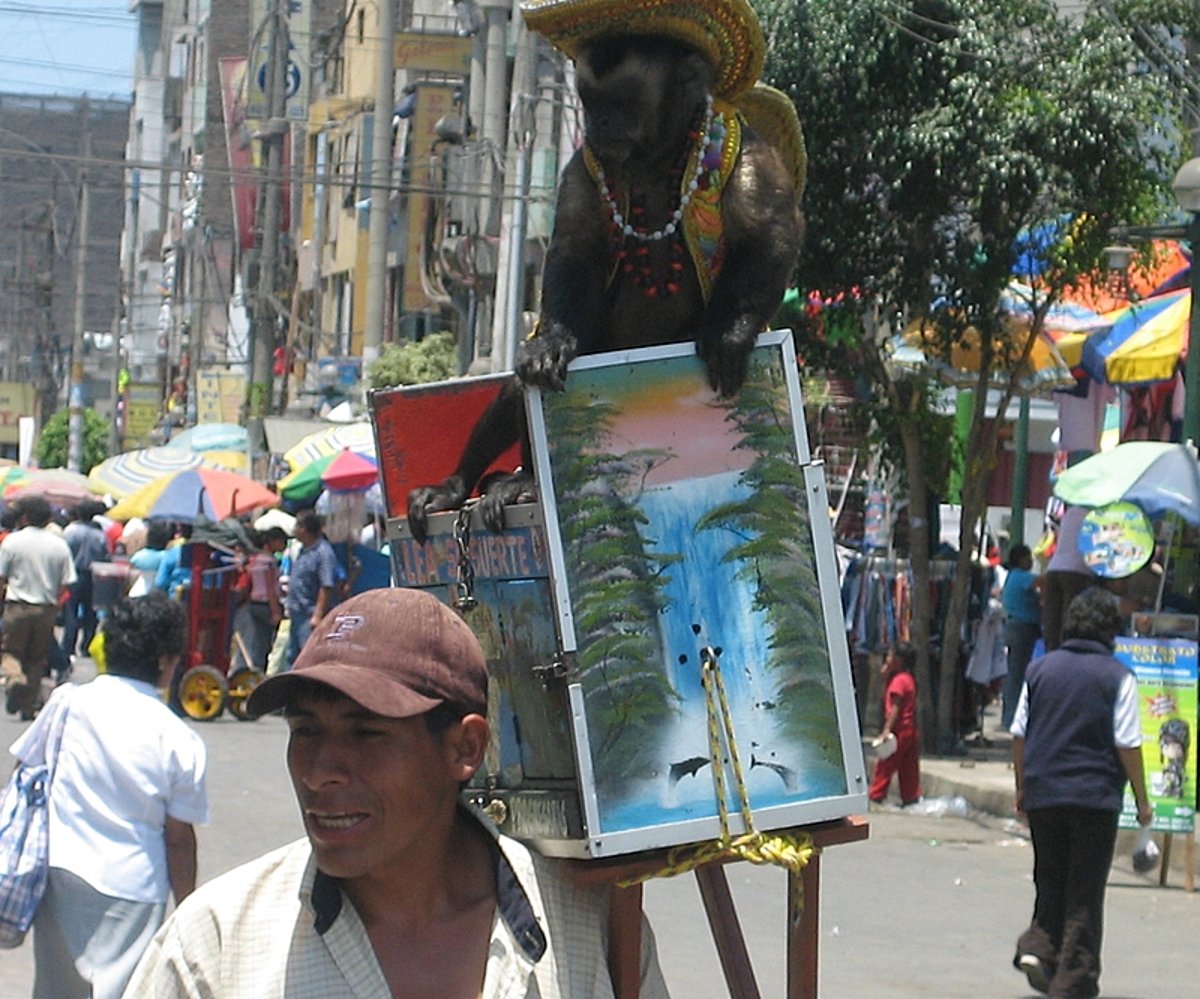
point(641, 98)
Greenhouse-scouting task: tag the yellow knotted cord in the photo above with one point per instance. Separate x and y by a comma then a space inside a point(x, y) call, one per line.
point(788, 850)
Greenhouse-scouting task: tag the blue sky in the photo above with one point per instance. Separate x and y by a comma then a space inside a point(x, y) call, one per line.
point(67, 47)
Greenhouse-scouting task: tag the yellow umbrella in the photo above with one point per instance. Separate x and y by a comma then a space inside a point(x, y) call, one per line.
point(957, 363)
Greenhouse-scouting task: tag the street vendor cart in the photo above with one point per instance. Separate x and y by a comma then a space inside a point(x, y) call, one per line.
point(206, 686)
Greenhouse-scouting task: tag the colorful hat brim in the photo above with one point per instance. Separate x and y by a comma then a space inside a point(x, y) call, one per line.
point(773, 116)
point(727, 32)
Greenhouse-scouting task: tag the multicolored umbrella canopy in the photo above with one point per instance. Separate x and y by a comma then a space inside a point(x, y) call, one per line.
point(344, 470)
point(124, 474)
point(189, 492)
point(1143, 342)
point(60, 486)
point(212, 437)
point(958, 364)
point(358, 437)
point(1158, 477)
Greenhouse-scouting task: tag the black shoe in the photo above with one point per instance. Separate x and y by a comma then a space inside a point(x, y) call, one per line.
point(10, 700)
point(1035, 972)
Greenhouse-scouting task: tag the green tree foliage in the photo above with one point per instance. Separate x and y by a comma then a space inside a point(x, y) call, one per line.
point(940, 134)
point(53, 442)
point(415, 362)
point(616, 587)
point(776, 557)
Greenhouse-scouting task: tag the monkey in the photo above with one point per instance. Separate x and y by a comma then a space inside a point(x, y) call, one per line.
point(635, 258)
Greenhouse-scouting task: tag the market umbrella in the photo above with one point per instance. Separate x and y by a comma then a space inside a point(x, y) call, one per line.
point(358, 437)
point(124, 474)
point(343, 471)
point(958, 364)
point(184, 494)
point(1158, 477)
point(1143, 343)
point(14, 475)
point(60, 486)
point(212, 437)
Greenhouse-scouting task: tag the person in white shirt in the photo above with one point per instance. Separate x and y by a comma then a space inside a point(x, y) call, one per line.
point(129, 785)
point(36, 570)
point(399, 890)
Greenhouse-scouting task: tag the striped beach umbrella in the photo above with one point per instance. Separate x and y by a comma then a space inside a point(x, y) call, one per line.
point(1143, 343)
point(357, 437)
point(124, 474)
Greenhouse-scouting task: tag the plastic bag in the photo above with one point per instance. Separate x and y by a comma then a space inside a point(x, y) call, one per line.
point(884, 747)
point(1145, 851)
point(95, 649)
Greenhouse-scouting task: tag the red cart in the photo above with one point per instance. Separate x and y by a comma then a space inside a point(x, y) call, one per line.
point(206, 686)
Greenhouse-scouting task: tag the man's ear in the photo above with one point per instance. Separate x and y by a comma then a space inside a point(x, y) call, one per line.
point(465, 745)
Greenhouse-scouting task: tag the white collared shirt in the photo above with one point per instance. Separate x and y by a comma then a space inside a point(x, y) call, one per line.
point(277, 927)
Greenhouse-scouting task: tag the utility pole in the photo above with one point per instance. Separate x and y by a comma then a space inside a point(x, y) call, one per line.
point(381, 175)
point(263, 328)
point(78, 381)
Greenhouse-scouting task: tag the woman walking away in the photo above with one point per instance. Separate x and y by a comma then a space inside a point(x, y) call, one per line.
point(1076, 741)
point(900, 720)
point(1022, 626)
point(128, 786)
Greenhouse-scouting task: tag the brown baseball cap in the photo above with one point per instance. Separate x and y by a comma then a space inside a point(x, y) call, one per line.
point(397, 652)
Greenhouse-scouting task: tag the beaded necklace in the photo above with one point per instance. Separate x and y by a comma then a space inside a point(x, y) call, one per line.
point(631, 239)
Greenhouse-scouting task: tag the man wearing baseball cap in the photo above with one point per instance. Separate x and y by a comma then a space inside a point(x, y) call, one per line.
point(398, 889)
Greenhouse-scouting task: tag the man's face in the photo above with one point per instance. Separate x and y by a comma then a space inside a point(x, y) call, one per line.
point(372, 791)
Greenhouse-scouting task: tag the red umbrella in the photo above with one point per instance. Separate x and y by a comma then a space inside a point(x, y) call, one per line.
point(350, 471)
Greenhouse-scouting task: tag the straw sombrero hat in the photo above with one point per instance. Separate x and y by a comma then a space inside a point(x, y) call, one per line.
point(726, 31)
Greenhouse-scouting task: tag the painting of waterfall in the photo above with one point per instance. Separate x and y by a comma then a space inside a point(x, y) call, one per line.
point(688, 530)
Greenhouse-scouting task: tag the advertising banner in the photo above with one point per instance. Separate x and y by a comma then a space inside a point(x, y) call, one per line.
point(16, 400)
point(219, 396)
point(1166, 671)
point(143, 404)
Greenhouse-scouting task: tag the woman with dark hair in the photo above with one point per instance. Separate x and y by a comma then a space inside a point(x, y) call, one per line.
point(128, 786)
point(1022, 624)
point(1076, 741)
point(148, 558)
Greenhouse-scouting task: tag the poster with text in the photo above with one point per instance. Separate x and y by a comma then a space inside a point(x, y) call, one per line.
point(1166, 671)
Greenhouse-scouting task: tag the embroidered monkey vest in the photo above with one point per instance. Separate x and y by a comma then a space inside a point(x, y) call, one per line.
point(703, 224)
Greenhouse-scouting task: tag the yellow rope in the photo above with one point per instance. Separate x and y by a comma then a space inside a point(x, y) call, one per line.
point(789, 850)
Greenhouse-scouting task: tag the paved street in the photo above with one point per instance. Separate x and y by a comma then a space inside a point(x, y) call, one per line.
point(926, 907)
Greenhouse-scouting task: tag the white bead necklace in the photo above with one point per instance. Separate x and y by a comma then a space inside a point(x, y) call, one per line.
point(684, 199)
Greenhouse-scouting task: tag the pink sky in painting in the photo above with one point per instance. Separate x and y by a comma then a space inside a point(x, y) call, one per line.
point(682, 414)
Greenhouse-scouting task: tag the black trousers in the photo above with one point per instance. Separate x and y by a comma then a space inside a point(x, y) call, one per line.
point(1072, 854)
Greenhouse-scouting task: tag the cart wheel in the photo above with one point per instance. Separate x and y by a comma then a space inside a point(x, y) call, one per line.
point(202, 693)
point(241, 684)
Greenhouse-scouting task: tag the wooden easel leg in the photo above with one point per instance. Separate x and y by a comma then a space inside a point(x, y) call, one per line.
point(803, 932)
point(625, 941)
point(1166, 859)
point(727, 933)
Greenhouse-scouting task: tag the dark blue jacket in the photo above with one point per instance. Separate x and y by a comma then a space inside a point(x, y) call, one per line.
point(1070, 753)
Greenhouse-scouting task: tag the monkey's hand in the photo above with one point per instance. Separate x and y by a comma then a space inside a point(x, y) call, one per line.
point(450, 495)
point(542, 359)
point(726, 353)
point(501, 491)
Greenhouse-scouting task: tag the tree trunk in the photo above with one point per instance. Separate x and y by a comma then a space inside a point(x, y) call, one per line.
point(918, 544)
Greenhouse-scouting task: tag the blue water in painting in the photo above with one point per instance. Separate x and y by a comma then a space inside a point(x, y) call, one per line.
point(705, 590)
